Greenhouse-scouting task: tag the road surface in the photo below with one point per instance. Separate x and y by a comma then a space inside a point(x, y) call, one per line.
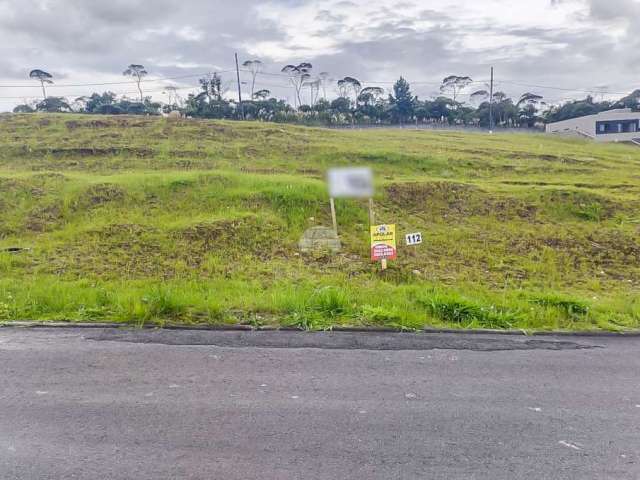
point(109, 404)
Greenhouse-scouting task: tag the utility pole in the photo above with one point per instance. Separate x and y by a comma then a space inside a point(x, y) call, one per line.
point(239, 89)
point(491, 104)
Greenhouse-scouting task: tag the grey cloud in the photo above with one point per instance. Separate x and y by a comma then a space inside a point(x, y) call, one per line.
point(614, 9)
point(97, 39)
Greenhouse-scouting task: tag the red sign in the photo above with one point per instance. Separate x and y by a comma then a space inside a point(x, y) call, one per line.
point(380, 252)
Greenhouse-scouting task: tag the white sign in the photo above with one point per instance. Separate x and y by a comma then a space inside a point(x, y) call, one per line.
point(413, 239)
point(350, 182)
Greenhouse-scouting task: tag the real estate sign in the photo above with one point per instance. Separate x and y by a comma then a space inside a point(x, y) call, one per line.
point(383, 243)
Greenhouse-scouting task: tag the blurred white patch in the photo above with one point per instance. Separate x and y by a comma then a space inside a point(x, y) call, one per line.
point(41, 392)
point(355, 182)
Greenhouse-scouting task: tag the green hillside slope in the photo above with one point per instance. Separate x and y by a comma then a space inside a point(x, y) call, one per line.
point(149, 220)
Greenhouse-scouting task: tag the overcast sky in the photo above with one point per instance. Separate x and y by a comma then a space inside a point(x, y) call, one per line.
point(573, 45)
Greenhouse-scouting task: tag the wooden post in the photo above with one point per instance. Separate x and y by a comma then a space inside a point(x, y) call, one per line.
point(333, 215)
point(372, 222)
point(372, 217)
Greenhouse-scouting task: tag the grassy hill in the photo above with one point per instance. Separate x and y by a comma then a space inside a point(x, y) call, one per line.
point(150, 220)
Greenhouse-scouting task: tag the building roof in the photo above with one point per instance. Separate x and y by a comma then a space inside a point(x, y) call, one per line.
point(605, 115)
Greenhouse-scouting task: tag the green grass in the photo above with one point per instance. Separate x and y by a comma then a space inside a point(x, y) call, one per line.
point(145, 220)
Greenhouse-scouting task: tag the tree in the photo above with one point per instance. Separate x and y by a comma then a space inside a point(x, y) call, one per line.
point(44, 78)
point(455, 84)
point(630, 101)
point(298, 75)
point(440, 109)
point(174, 98)
point(529, 99)
point(138, 72)
point(504, 110)
point(370, 104)
point(500, 97)
point(211, 86)
point(255, 67)
point(210, 102)
point(324, 78)
point(402, 100)
point(314, 89)
point(24, 108)
point(480, 95)
point(53, 105)
point(349, 84)
point(576, 108)
point(528, 105)
point(369, 95)
point(341, 105)
point(97, 102)
point(262, 94)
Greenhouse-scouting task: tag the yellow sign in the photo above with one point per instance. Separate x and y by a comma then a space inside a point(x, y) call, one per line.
point(383, 243)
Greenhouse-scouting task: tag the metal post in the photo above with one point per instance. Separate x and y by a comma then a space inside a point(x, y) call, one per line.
point(239, 89)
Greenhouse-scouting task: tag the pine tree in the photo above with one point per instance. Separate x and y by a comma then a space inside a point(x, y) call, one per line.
point(402, 100)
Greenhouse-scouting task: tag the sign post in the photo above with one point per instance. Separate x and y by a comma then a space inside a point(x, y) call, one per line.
point(354, 182)
point(372, 217)
point(334, 219)
point(383, 244)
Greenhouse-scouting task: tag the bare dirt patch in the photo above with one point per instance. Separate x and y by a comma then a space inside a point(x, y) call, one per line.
point(44, 218)
point(101, 194)
point(15, 187)
point(608, 250)
point(262, 171)
point(581, 204)
point(235, 237)
point(456, 200)
point(613, 247)
point(549, 158)
point(98, 151)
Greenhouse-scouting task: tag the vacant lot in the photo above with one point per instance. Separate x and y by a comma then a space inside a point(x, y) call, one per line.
point(138, 219)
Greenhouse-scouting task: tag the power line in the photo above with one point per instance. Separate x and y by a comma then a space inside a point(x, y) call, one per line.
point(160, 90)
point(576, 90)
point(595, 90)
point(102, 84)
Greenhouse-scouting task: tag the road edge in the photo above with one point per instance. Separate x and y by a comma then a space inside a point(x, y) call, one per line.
point(250, 328)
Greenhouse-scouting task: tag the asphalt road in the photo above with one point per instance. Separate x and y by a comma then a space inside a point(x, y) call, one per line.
point(103, 404)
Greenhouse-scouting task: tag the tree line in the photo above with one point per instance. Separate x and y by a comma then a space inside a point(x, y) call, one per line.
point(352, 102)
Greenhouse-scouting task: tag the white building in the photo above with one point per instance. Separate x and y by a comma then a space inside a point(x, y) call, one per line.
point(622, 125)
